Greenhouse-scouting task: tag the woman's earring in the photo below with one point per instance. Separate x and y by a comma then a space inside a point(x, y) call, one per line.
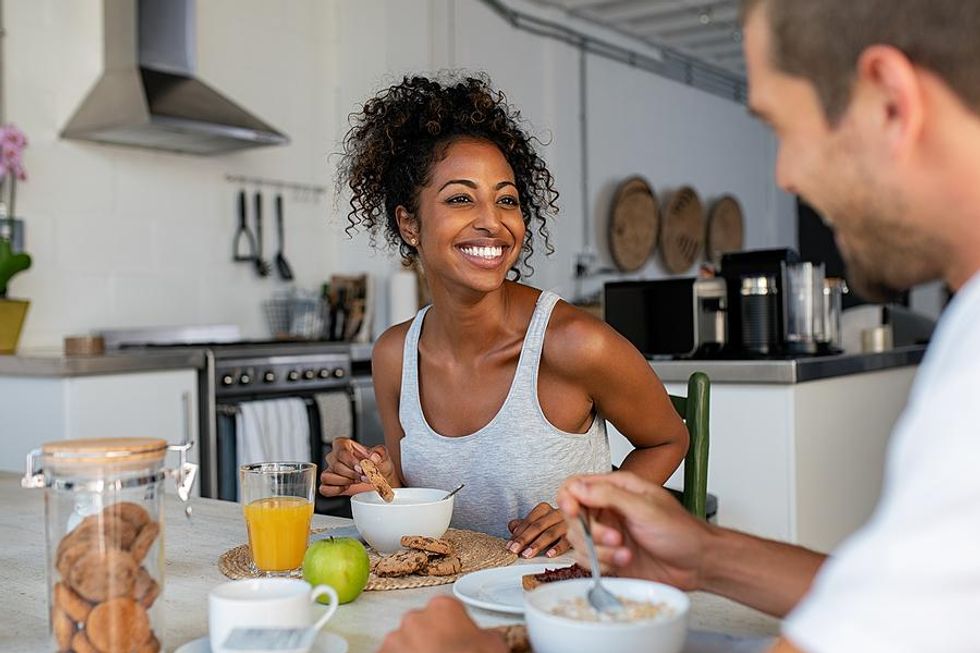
point(413, 242)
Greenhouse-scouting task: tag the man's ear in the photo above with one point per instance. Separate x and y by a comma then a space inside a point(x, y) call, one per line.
point(892, 83)
point(408, 226)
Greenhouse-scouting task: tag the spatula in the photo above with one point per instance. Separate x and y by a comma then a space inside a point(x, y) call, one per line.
point(262, 266)
point(282, 264)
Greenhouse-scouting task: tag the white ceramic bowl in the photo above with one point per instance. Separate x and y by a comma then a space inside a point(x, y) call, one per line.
point(414, 511)
point(550, 633)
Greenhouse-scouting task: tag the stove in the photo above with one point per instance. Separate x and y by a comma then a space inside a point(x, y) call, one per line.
point(238, 371)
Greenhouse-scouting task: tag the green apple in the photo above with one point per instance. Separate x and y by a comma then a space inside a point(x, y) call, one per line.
point(340, 562)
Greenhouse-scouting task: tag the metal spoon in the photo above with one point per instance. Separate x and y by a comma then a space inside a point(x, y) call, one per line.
point(461, 486)
point(601, 599)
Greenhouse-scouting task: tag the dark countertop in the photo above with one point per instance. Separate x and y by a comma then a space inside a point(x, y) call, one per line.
point(798, 370)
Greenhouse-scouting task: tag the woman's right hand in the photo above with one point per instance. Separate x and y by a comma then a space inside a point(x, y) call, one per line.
point(342, 475)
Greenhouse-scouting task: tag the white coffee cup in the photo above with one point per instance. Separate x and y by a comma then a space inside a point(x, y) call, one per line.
point(264, 603)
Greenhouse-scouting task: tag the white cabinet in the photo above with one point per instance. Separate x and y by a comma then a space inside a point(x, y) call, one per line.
point(798, 462)
point(157, 404)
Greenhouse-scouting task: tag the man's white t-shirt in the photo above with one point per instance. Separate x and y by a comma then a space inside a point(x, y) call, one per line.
point(909, 579)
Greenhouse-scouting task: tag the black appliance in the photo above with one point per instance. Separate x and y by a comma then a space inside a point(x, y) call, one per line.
point(669, 317)
point(771, 292)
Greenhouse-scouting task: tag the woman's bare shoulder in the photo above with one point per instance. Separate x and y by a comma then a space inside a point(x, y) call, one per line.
point(576, 340)
point(386, 356)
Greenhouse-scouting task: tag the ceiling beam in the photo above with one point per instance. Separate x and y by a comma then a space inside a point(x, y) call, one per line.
point(650, 11)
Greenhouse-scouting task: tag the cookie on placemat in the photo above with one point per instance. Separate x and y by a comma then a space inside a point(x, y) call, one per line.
point(401, 564)
point(377, 479)
point(515, 636)
point(443, 566)
point(428, 544)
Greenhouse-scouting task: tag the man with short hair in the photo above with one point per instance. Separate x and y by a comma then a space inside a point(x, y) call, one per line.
point(876, 105)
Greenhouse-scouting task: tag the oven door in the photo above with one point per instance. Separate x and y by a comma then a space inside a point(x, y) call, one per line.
point(228, 424)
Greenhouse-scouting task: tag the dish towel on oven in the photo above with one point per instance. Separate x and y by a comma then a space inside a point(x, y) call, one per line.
point(336, 420)
point(276, 430)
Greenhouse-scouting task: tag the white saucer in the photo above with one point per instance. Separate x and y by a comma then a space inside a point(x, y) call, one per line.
point(325, 643)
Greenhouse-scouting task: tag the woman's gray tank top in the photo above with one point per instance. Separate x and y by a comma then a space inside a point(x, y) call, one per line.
point(516, 461)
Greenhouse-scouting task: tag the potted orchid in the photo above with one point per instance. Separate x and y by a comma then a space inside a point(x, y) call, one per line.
point(12, 311)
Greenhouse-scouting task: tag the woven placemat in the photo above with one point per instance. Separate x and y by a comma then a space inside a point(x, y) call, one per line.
point(476, 551)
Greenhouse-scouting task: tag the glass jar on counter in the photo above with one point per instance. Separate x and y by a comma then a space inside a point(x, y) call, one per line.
point(104, 531)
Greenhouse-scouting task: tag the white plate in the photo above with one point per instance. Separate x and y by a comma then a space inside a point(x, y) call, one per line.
point(325, 643)
point(499, 588)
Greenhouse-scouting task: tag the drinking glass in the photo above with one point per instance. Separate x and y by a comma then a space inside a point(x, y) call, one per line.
point(277, 501)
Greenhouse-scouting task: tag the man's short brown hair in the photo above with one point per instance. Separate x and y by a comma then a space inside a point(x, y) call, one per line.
point(821, 40)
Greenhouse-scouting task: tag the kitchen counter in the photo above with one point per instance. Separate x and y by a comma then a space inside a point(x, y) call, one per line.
point(53, 363)
point(192, 552)
point(799, 370)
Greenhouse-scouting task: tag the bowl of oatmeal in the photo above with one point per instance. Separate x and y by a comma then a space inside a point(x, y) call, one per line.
point(560, 620)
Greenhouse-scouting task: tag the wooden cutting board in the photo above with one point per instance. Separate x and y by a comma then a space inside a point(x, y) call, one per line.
point(682, 239)
point(634, 224)
point(726, 228)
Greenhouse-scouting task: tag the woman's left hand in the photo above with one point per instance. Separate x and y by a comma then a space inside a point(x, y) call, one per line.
point(542, 531)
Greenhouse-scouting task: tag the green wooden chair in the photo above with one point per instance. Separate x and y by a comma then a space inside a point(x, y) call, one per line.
point(694, 410)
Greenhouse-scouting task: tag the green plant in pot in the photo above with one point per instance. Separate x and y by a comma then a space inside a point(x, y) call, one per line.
point(12, 311)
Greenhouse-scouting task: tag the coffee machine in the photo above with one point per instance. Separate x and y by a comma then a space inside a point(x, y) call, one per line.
point(775, 305)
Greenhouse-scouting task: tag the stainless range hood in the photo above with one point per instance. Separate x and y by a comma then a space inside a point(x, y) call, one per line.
point(149, 95)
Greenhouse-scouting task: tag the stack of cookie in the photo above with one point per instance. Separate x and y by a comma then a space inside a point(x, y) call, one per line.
point(426, 556)
point(100, 603)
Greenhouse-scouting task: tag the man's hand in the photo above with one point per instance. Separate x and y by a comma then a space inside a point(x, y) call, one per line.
point(542, 531)
point(442, 627)
point(639, 529)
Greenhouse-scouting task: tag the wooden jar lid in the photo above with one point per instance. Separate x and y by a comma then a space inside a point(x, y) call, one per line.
point(105, 451)
point(634, 224)
point(726, 229)
point(683, 233)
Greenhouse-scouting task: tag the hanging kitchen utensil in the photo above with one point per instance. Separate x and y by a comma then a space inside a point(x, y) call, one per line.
point(683, 232)
point(243, 235)
point(726, 229)
point(282, 264)
point(261, 267)
point(633, 224)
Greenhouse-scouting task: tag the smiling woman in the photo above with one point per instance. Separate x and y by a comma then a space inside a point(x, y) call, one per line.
point(496, 384)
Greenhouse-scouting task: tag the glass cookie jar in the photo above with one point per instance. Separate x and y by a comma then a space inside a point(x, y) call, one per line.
point(104, 531)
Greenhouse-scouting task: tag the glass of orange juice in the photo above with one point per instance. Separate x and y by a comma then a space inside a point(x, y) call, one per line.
point(277, 500)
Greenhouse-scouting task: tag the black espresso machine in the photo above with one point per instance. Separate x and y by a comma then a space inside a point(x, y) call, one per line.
point(778, 305)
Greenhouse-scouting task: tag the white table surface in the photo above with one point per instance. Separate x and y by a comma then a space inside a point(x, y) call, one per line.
point(192, 550)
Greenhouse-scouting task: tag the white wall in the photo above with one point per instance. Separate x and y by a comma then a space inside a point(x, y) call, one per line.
point(127, 237)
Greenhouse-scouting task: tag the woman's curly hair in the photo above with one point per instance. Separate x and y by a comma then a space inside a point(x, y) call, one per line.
point(401, 132)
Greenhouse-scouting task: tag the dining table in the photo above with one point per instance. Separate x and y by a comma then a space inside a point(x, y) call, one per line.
point(192, 550)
